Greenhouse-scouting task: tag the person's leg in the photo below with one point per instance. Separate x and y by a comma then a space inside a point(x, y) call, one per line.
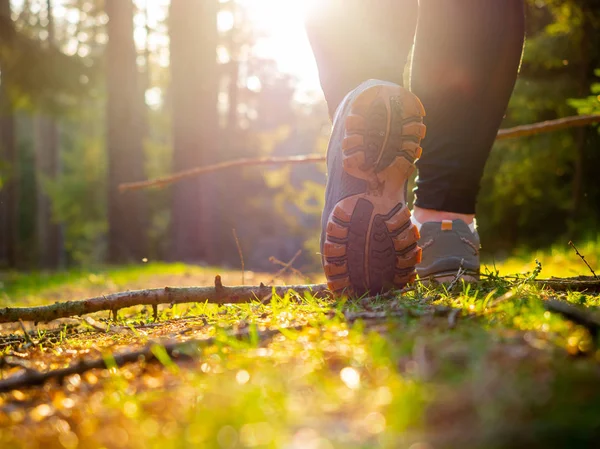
point(357, 40)
point(465, 65)
point(368, 242)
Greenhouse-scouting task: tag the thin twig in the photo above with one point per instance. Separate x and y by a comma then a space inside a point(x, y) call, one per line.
point(508, 133)
point(505, 297)
point(239, 248)
point(276, 261)
point(27, 336)
point(458, 276)
point(218, 294)
point(582, 258)
point(105, 328)
point(368, 315)
point(286, 266)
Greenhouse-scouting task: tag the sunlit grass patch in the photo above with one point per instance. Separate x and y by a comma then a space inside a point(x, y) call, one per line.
point(478, 366)
point(561, 260)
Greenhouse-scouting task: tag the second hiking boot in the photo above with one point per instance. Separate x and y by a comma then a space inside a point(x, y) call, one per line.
point(368, 242)
point(450, 248)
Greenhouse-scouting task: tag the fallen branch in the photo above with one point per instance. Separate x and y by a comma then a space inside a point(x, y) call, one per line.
point(244, 162)
point(175, 349)
point(508, 133)
point(578, 315)
point(577, 284)
point(547, 126)
point(218, 294)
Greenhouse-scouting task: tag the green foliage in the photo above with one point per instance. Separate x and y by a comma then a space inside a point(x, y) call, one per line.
point(39, 76)
point(590, 104)
point(527, 196)
point(79, 193)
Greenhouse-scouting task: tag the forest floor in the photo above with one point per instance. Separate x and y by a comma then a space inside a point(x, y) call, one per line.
point(475, 366)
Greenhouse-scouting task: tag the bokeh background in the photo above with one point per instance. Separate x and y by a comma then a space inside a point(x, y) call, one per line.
point(95, 93)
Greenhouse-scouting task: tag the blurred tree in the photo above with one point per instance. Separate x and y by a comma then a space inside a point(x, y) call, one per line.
point(542, 189)
point(127, 224)
point(194, 90)
point(47, 159)
point(8, 149)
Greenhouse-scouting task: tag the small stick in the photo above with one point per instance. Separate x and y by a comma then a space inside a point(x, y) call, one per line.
point(27, 336)
point(239, 248)
point(276, 261)
point(582, 258)
point(286, 266)
point(459, 274)
point(368, 315)
point(105, 328)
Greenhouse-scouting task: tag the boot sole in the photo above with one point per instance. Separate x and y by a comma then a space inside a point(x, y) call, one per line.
point(370, 242)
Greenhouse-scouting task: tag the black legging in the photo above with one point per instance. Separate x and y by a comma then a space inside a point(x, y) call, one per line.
point(464, 66)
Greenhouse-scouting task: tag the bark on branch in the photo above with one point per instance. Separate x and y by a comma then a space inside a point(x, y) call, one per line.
point(244, 162)
point(577, 284)
point(508, 133)
point(547, 126)
point(218, 294)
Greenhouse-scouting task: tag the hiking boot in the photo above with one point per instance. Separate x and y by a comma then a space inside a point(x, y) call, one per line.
point(368, 242)
point(449, 246)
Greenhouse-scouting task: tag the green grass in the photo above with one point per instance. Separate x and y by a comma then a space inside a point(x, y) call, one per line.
point(561, 260)
point(506, 374)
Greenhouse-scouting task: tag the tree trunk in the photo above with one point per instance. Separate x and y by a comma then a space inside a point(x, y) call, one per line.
point(49, 236)
point(193, 34)
point(233, 75)
point(47, 158)
point(585, 73)
point(9, 167)
point(126, 213)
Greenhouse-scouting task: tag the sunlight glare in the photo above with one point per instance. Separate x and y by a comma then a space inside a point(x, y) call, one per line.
point(283, 38)
point(350, 377)
point(225, 21)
